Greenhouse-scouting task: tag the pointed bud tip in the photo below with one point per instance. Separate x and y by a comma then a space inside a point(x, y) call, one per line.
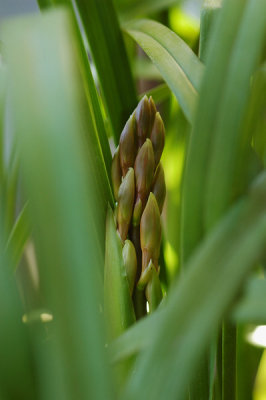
point(130, 262)
point(116, 173)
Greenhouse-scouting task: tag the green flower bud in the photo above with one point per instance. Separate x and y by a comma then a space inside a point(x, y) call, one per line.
point(157, 137)
point(137, 212)
point(144, 170)
point(143, 115)
point(130, 261)
point(145, 276)
point(153, 112)
point(150, 233)
point(126, 197)
point(158, 186)
point(116, 173)
point(153, 290)
point(128, 145)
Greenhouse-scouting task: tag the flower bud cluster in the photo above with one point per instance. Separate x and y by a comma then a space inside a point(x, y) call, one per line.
point(139, 189)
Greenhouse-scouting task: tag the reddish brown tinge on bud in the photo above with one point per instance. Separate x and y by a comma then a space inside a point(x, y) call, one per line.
point(153, 111)
point(158, 186)
point(128, 145)
point(143, 116)
point(150, 233)
point(126, 197)
point(157, 137)
point(144, 171)
point(116, 173)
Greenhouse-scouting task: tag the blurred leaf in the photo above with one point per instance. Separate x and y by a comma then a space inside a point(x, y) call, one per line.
point(251, 307)
point(197, 302)
point(19, 236)
point(227, 134)
point(118, 306)
point(99, 138)
point(258, 117)
point(178, 65)
point(197, 160)
point(129, 9)
point(209, 13)
point(16, 362)
point(2, 112)
point(108, 50)
point(144, 69)
point(159, 93)
point(66, 211)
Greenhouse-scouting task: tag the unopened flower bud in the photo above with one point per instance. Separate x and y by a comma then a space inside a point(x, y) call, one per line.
point(130, 261)
point(143, 115)
point(153, 111)
point(145, 276)
point(137, 212)
point(157, 137)
point(158, 186)
point(128, 145)
point(153, 290)
point(150, 233)
point(116, 173)
point(126, 197)
point(144, 170)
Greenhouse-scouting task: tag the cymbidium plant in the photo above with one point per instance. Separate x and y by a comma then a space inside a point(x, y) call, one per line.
point(83, 251)
point(139, 188)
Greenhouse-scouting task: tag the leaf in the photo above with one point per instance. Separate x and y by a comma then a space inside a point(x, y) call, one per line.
point(198, 153)
point(65, 203)
point(129, 9)
point(159, 93)
point(198, 301)
point(106, 44)
point(258, 106)
point(179, 66)
point(99, 137)
point(226, 137)
point(208, 15)
point(118, 306)
point(18, 236)
point(251, 307)
point(15, 348)
point(2, 108)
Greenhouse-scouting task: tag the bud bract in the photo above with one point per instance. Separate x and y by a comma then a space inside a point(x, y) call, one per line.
point(144, 170)
point(150, 232)
point(143, 115)
point(126, 197)
point(158, 186)
point(157, 137)
point(152, 111)
point(130, 261)
point(116, 173)
point(154, 291)
point(128, 145)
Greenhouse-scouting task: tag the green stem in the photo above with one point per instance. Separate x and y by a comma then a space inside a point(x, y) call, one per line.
point(229, 362)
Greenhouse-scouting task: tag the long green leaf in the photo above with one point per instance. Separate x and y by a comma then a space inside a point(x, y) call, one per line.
point(2, 113)
point(197, 303)
point(58, 174)
point(118, 306)
point(108, 50)
point(251, 308)
point(179, 66)
point(193, 192)
point(99, 137)
point(208, 16)
point(129, 9)
point(15, 350)
point(19, 236)
point(228, 132)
